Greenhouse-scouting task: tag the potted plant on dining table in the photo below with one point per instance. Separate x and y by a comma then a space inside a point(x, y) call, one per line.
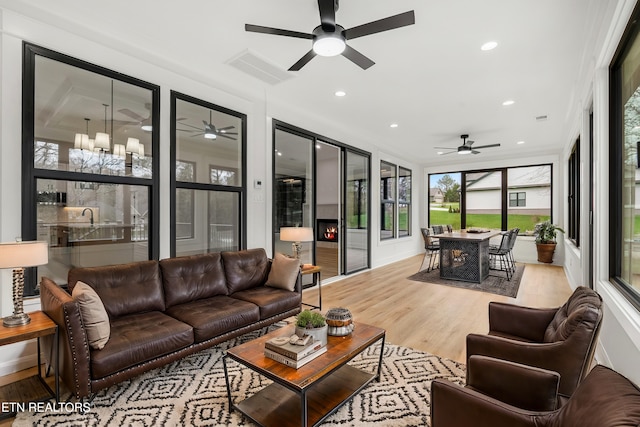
point(545, 233)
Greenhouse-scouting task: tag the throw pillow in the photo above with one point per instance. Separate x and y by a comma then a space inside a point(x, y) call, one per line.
point(94, 316)
point(284, 272)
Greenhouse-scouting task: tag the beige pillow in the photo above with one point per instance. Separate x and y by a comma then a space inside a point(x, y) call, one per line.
point(284, 272)
point(94, 316)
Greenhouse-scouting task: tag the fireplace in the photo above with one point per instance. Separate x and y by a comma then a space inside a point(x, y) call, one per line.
point(327, 230)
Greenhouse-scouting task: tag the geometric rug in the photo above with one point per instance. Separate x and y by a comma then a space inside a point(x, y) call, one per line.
point(495, 283)
point(192, 392)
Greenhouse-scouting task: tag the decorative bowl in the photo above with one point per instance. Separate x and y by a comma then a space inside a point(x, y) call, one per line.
point(339, 321)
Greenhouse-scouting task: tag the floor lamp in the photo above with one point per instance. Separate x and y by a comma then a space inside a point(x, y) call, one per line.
point(297, 235)
point(18, 255)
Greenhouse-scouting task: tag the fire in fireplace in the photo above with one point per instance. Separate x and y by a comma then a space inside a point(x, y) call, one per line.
point(327, 230)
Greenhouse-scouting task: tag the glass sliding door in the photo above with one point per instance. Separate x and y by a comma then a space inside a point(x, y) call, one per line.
point(356, 224)
point(293, 189)
point(328, 208)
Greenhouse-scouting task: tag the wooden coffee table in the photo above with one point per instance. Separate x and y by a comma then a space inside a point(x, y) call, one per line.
point(309, 394)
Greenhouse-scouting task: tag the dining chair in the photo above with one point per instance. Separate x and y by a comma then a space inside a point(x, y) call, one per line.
point(499, 256)
point(432, 248)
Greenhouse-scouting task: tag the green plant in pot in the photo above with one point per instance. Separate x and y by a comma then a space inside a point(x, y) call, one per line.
point(312, 323)
point(546, 233)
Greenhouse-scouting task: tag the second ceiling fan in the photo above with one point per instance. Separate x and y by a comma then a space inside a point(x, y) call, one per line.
point(330, 39)
point(466, 147)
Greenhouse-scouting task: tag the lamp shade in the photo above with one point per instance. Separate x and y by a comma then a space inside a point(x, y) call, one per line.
point(296, 234)
point(133, 146)
point(118, 150)
point(23, 254)
point(102, 141)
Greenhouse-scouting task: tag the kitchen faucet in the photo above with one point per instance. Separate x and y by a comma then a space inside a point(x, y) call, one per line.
point(90, 216)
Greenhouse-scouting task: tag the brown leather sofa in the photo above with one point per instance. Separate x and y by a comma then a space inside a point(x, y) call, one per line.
point(604, 399)
point(161, 311)
point(558, 339)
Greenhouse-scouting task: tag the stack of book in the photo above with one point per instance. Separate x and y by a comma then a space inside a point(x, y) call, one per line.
point(293, 355)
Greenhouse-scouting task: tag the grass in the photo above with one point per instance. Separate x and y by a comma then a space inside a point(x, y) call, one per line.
point(493, 221)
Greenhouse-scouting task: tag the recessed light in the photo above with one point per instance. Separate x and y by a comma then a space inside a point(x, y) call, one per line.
point(279, 153)
point(393, 125)
point(489, 46)
point(508, 102)
point(440, 152)
point(520, 142)
point(340, 93)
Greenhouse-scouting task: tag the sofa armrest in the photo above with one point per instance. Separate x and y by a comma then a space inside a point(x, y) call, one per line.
point(455, 406)
point(518, 385)
point(526, 322)
point(74, 346)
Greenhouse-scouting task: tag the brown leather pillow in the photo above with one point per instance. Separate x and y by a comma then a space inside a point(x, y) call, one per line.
point(284, 272)
point(94, 316)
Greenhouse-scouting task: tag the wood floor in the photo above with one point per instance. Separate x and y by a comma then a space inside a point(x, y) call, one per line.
point(427, 317)
point(433, 318)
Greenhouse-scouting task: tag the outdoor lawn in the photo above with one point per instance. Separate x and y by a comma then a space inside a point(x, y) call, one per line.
point(492, 221)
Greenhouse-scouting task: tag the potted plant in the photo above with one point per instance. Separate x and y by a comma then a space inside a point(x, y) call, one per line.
point(546, 233)
point(312, 323)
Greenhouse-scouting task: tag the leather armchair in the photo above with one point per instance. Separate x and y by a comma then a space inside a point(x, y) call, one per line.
point(560, 339)
point(604, 399)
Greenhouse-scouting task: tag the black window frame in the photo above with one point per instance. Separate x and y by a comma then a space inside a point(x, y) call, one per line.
point(573, 197)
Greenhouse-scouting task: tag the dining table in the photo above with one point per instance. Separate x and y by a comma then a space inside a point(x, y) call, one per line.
point(464, 254)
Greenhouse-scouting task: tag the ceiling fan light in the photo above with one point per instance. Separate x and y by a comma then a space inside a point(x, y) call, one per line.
point(210, 135)
point(330, 45)
point(464, 151)
point(146, 128)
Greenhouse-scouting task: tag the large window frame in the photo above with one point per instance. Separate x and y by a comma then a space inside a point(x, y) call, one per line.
point(236, 191)
point(573, 198)
point(81, 178)
point(388, 200)
point(621, 162)
point(505, 190)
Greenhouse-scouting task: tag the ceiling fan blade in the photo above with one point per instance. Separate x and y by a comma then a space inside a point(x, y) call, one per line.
point(197, 134)
point(276, 31)
point(357, 58)
point(327, 14)
point(468, 143)
point(228, 133)
point(487, 146)
point(191, 126)
point(226, 128)
point(443, 148)
point(225, 136)
point(475, 152)
point(386, 24)
point(303, 61)
point(450, 152)
point(131, 114)
point(186, 130)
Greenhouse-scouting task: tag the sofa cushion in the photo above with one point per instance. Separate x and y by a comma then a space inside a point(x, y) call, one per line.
point(94, 316)
point(124, 288)
point(215, 316)
point(245, 269)
point(138, 338)
point(284, 272)
point(584, 307)
point(272, 301)
point(192, 278)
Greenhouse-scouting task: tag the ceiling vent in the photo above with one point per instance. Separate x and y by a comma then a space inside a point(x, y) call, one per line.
point(541, 118)
point(259, 68)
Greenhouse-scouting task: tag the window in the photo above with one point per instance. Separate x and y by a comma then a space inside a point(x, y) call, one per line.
point(387, 200)
point(395, 211)
point(573, 229)
point(499, 199)
point(624, 177)
point(89, 183)
point(404, 201)
point(517, 199)
point(208, 153)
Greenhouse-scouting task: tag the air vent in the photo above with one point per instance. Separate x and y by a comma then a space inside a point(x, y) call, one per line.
point(259, 68)
point(541, 118)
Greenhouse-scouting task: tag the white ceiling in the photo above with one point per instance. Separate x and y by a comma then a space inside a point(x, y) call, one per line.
point(431, 78)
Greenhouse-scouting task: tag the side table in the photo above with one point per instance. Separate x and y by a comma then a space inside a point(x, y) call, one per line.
point(314, 270)
point(40, 326)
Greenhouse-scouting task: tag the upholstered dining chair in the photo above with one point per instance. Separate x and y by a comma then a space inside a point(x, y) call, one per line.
point(604, 399)
point(559, 339)
point(432, 249)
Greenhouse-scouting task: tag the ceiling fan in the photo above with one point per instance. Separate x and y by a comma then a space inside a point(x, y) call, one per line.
point(144, 122)
point(210, 131)
point(330, 39)
point(466, 147)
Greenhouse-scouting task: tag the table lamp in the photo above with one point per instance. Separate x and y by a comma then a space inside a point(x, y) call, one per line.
point(296, 235)
point(18, 255)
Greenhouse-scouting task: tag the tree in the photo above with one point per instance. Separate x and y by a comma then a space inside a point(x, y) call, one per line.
point(450, 188)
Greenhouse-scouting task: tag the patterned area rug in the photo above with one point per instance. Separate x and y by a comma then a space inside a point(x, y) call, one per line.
point(192, 392)
point(495, 283)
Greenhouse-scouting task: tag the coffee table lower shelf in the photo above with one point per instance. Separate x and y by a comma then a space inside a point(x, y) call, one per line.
point(276, 405)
